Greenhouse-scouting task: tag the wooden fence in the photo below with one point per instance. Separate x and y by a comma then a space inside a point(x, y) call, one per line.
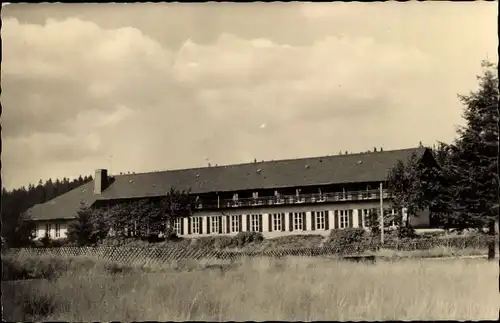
point(166, 254)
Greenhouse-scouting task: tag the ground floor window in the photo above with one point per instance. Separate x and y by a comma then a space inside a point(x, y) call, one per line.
point(58, 230)
point(365, 213)
point(344, 218)
point(298, 221)
point(235, 223)
point(320, 220)
point(255, 222)
point(276, 220)
point(214, 224)
point(177, 225)
point(48, 229)
point(195, 225)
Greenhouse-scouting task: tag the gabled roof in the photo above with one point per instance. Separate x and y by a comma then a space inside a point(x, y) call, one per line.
point(63, 206)
point(353, 168)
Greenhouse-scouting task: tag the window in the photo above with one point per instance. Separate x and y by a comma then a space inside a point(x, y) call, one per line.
point(255, 222)
point(344, 219)
point(195, 225)
point(365, 213)
point(255, 195)
point(298, 221)
point(276, 218)
point(320, 220)
point(177, 225)
point(58, 230)
point(48, 228)
point(214, 224)
point(235, 223)
point(235, 197)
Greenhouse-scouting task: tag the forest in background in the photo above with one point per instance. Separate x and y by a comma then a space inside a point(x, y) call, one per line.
point(17, 201)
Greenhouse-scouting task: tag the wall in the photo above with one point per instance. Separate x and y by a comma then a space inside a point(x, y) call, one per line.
point(266, 211)
point(41, 228)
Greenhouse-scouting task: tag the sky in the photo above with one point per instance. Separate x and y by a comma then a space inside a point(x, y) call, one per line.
point(147, 87)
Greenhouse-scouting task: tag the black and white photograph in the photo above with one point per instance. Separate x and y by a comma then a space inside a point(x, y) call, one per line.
point(258, 161)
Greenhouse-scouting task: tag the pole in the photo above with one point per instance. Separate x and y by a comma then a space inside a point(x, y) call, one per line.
point(381, 214)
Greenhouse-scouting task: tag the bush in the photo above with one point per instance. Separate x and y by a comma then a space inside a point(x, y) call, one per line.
point(295, 241)
point(45, 240)
point(406, 232)
point(33, 267)
point(349, 240)
point(225, 242)
point(170, 235)
point(245, 238)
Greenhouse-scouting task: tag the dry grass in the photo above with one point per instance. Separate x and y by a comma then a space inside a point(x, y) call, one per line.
point(428, 253)
point(302, 289)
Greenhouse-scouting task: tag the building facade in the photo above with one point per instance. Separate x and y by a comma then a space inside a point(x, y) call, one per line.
point(276, 198)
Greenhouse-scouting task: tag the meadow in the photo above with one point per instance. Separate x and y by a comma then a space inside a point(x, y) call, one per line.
point(293, 288)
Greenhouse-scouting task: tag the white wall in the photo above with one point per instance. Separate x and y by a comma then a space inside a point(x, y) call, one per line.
point(266, 211)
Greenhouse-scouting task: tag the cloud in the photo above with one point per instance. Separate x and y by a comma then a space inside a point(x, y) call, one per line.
point(158, 93)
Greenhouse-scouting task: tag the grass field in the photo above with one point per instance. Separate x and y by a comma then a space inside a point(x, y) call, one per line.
point(259, 289)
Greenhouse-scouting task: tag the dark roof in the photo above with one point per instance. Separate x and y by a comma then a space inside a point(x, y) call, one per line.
point(353, 168)
point(64, 206)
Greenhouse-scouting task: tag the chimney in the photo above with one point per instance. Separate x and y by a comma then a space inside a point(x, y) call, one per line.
point(100, 180)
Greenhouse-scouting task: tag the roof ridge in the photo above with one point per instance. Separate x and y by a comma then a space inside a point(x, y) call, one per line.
point(266, 161)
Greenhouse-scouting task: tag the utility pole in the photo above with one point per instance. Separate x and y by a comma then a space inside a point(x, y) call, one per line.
point(381, 214)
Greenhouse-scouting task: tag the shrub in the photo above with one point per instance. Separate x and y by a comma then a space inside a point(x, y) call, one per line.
point(85, 229)
point(216, 242)
point(245, 238)
point(170, 235)
point(348, 240)
point(406, 232)
point(45, 240)
point(295, 241)
point(225, 242)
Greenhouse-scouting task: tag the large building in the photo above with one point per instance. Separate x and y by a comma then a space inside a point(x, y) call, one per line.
point(296, 196)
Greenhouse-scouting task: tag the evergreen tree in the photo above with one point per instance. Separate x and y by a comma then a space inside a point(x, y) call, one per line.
point(476, 154)
point(82, 230)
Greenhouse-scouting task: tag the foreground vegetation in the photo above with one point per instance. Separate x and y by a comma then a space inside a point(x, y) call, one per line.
point(79, 289)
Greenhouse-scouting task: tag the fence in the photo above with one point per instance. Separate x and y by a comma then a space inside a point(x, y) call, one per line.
point(163, 255)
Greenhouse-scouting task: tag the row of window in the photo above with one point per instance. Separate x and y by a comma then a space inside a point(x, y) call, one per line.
point(297, 222)
point(49, 227)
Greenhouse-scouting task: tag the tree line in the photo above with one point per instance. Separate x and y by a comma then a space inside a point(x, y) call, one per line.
point(17, 201)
